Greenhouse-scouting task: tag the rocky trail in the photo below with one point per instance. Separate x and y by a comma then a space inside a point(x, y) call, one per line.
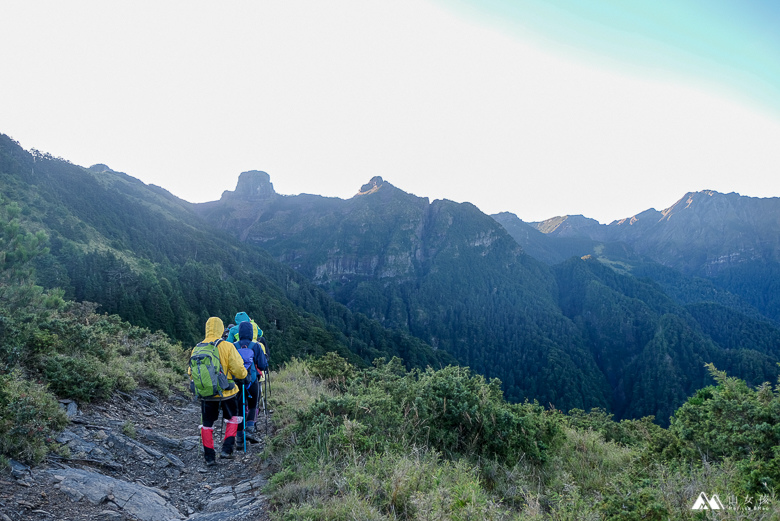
point(137, 457)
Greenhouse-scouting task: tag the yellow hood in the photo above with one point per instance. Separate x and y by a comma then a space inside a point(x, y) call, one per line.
point(214, 329)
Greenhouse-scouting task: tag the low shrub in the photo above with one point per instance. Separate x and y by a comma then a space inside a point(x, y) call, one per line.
point(29, 418)
point(78, 378)
point(449, 410)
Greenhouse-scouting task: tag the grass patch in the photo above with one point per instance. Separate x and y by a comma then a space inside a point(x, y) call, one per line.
point(388, 444)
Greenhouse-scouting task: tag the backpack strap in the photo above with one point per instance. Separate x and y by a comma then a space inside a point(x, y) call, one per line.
point(216, 344)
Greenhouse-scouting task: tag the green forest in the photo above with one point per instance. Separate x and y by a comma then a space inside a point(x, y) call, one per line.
point(617, 399)
point(140, 253)
point(611, 330)
point(389, 274)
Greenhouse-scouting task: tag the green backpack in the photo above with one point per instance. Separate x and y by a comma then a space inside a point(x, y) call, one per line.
point(207, 376)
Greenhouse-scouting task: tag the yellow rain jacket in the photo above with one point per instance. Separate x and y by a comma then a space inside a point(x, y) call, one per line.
point(232, 363)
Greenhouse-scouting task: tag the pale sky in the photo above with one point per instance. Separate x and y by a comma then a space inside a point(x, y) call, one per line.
point(539, 108)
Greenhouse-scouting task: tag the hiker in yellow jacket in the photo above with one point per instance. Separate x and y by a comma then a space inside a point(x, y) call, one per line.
point(229, 402)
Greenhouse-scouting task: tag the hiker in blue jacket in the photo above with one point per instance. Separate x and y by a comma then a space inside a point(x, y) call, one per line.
point(257, 336)
point(241, 316)
point(255, 362)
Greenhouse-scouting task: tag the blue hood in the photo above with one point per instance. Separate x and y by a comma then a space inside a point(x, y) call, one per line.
point(245, 331)
point(241, 317)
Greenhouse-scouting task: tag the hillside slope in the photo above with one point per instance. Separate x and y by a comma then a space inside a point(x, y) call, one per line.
point(444, 272)
point(729, 239)
point(143, 254)
point(579, 334)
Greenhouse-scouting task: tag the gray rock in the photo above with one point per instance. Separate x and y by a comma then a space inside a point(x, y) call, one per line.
point(164, 441)
point(18, 470)
point(221, 491)
point(132, 447)
point(71, 407)
point(175, 460)
point(79, 447)
point(137, 501)
point(255, 483)
point(225, 515)
point(244, 486)
point(221, 504)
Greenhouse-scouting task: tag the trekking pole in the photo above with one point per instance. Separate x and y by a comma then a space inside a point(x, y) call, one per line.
point(243, 413)
point(258, 402)
point(265, 406)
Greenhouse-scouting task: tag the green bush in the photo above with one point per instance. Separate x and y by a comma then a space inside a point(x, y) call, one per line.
point(421, 445)
point(29, 418)
point(626, 432)
point(128, 429)
point(732, 422)
point(332, 368)
point(448, 410)
point(405, 445)
point(79, 378)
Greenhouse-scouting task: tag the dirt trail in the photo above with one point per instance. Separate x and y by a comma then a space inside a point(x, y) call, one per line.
point(137, 458)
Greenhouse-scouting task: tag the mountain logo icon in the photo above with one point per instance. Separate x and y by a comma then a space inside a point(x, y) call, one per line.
point(705, 503)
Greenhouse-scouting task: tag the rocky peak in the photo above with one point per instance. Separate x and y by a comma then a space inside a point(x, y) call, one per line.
point(372, 186)
point(255, 184)
point(252, 185)
point(567, 226)
point(99, 168)
point(648, 217)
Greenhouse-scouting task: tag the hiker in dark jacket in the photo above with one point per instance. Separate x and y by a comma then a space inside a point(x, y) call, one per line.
point(257, 335)
point(229, 402)
point(255, 362)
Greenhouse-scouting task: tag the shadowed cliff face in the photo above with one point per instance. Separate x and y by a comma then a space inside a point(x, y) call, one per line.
point(381, 232)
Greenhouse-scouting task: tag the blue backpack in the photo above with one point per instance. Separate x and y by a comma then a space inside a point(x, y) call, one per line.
point(247, 355)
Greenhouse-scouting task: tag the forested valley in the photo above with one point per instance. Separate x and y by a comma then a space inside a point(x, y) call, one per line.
point(606, 328)
point(429, 368)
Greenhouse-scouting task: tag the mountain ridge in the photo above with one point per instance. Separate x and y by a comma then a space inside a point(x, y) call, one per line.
point(388, 273)
point(731, 240)
point(417, 264)
point(143, 254)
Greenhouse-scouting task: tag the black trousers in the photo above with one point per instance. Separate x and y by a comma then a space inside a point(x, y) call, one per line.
point(209, 410)
point(231, 411)
point(252, 394)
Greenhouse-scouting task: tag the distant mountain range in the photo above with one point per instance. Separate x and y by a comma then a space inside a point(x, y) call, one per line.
point(567, 311)
point(731, 240)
